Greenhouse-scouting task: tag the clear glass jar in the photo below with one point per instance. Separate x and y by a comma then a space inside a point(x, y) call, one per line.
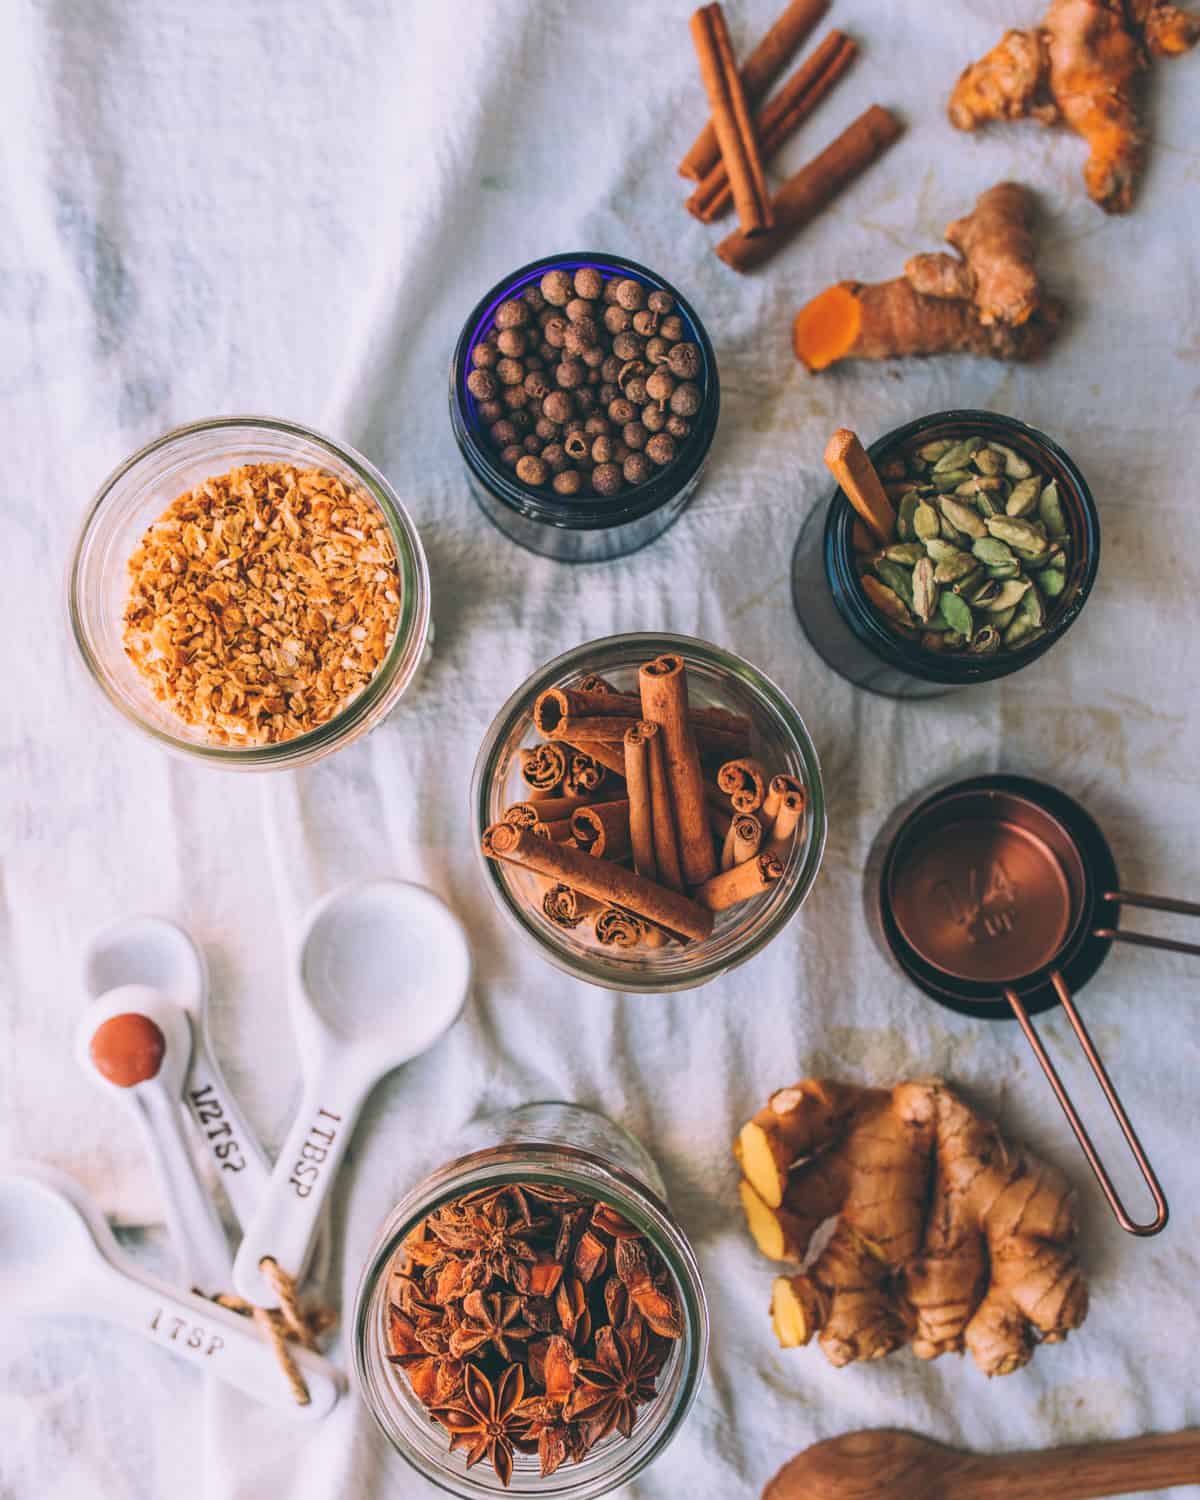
point(591, 529)
point(574, 1148)
point(845, 630)
point(779, 739)
point(137, 493)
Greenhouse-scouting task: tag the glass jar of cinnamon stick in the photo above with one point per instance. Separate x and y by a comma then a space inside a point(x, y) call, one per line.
point(587, 527)
point(653, 839)
point(520, 1160)
point(847, 632)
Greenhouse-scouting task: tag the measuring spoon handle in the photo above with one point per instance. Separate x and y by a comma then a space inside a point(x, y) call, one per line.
point(1085, 1470)
point(217, 1341)
point(241, 1163)
point(285, 1224)
point(196, 1229)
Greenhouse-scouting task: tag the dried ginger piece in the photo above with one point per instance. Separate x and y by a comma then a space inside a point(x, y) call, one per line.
point(944, 1237)
point(987, 300)
point(262, 601)
point(1080, 67)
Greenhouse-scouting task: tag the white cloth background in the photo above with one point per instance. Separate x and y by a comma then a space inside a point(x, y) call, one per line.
point(256, 207)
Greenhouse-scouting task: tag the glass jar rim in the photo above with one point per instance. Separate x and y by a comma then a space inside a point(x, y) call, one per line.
point(394, 672)
point(595, 512)
point(595, 1176)
point(798, 879)
point(961, 670)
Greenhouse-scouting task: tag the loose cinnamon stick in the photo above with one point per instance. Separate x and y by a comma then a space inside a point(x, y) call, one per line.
point(778, 789)
point(594, 683)
point(637, 782)
point(731, 120)
point(742, 841)
point(814, 187)
point(599, 878)
point(566, 908)
point(580, 729)
point(664, 690)
point(544, 767)
point(550, 809)
point(782, 834)
point(603, 829)
point(558, 706)
point(606, 757)
point(529, 815)
point(615, 928)
point(850, 464)
point(781, 117)
point(744, 782)
point(759, 72)
point(662, 818)
point(741, 883)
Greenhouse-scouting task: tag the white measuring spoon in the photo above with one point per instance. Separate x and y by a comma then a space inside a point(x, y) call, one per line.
point(155, 1103)
point(384, 968)
point(154, 952)
point(58, 1255)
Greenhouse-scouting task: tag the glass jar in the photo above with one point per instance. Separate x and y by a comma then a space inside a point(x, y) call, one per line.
point(602, 1161)
point(138, 492)
point(592, 529)
point(844, 628)
point(779, 739)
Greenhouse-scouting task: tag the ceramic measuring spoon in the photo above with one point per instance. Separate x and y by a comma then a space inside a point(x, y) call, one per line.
point(58, 1255)
point(136, 1045)
point(384, 968)
point(154, 952)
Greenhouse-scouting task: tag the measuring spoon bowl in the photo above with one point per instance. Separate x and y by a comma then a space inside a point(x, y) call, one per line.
point(384, 968)
point(59, 1256)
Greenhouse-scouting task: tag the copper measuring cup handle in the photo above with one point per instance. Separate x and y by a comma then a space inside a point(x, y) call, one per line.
point(1150, 903)
point(1159, 1222)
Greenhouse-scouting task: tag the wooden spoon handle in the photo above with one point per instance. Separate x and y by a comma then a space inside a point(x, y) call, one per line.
point(1085, 1470)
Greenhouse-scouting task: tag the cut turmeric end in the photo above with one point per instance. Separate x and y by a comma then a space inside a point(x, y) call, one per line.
point(797, 1310)
point(765, 1162)
point(771, 1228)
point(826, 329)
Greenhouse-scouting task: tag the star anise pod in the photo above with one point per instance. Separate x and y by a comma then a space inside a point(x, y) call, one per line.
point(591, 1256)
point(494, 1245)
point(483, 1422)
point(488, 1320)
point(611, 1223)
point(610, 1388)
point(655, 1305)
point(546, 1433)
point(403, 1343)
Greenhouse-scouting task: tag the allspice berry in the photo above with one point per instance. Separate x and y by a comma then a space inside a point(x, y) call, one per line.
point(512, 342)
point(660, 386)
point(684, 361)
point(557, 288)
point(657, 351)
point(577, 308)
point(631, 294)
point(536, 385)
point(594, 358)
point(510, 371)
point(597, 424)
point(482, 385)
point(602, 450)
point(616, 319)
point(554, 456)
point(556, 331)
point(621, 411)
point(588, 283)
point(557, 406)
point(570, 374)
point(512, 314)
point(635, 435)
point(533, 299)
point(678, 427)
point(654, 418)
point(504, 432)
point(611, 369)
point(637, 469)
point(628, 346)
point(568, 482)
point(491, 411)
point(577, 445)
point(606, 479)
point(532, 443)
point(580, 335)
point(672, 328)
point(511, 455)
point(514, 396)
point(484, 356)
point(531, 470)
point(686, 399)
point(661, 449)
point(546, 429)
point(636, 390)
point(645, 322)
point(660, 302)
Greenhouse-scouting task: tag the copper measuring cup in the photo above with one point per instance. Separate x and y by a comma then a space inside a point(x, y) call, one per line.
point(1002, 886)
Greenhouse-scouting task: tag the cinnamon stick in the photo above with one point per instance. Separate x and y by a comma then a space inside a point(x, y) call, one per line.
point(550, 809)
point(662, 818)
point(637, 782)
point(599, 878)
point(744, 782)
point(582, 729)
point(602, 757)
point(742, 841)
point(814, 187)
point(603, 829)
point(782, 833)
point(850, 464)
point(528, 815)
point(731, 120)
point(665, 702)
point(566, 908)
point(556, 706)
point(615, 928)
point(741, 883)
point(777, 790)
point(781, 117)
point(544, 768)
point(758, 73)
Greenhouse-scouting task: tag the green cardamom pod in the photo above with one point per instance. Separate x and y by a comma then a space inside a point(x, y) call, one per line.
point(1015, 466)
point(989, 460)
point(1052, 582)
point(950, 480)
point(1020, 535)
point(982, 594)
point(925, 590)
point(1001, 619)
point(925, 521)
point(968, 582)
point(986, 641)
point(897, 578)
point(1024, 498)
point(904, 516)
point(957, 614)
point(957, 565)
point(1009, 595)
point(962, 517)
point(1051, 511)
point(958, 455)
point(1002, 571)
point(885, 600)
point(929, 453)
point(942, 551)
point(908, 553)
point(991, 551)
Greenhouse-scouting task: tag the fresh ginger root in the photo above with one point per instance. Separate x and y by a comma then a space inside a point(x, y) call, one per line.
point(986, 300)
point(1080, 66)
point(944, 1238)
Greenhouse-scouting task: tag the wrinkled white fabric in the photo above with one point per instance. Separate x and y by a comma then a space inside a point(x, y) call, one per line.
point(252, 207)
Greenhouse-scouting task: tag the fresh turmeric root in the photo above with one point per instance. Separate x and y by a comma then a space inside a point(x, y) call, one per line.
point(986, 300)
point(1080, 67)
point(944, 1237)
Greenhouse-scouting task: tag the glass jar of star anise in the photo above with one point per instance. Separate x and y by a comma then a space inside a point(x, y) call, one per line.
point(531, 1318)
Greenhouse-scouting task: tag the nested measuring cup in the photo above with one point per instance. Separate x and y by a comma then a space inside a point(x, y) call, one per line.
point(999, 895)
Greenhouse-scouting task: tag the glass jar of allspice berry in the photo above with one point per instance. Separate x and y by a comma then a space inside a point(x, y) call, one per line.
point(584, 398)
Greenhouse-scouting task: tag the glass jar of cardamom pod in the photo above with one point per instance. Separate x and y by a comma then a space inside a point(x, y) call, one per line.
point(857, 641)
point(542, 1156)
